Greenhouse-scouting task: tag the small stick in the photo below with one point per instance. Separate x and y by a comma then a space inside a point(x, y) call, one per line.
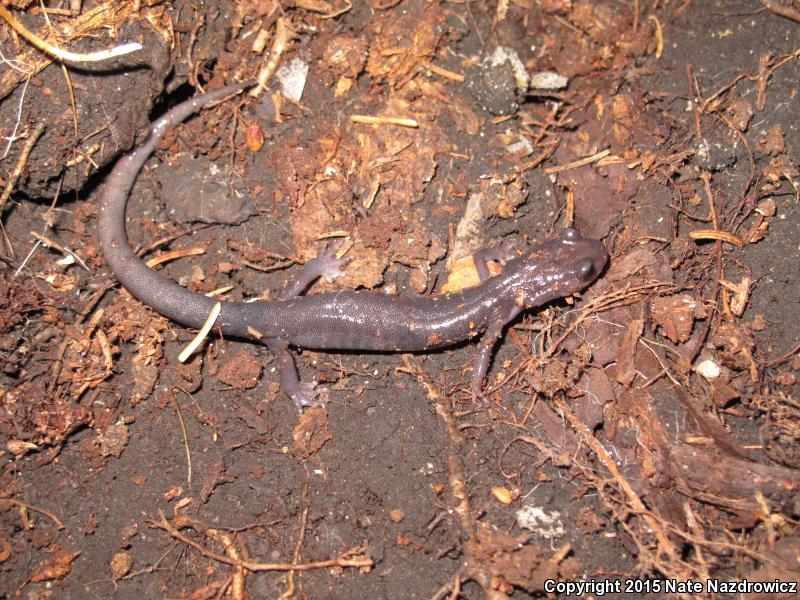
point(201, 335)
point(23, 159)
point(652, 522)
point(258, 566)
point(175, 254)
point(65, 55)
point(578, 163)
point(453, 76)
point(384, 120)
point(185, 437)
point(46, 513)
point(283, 35)
point(712, 234)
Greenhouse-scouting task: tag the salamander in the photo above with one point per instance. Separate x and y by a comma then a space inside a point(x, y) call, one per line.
point(347, 320)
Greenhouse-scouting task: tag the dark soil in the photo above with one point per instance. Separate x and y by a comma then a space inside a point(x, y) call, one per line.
point(128, 474)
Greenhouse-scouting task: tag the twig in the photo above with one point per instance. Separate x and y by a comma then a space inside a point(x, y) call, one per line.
point(46, 513)
point(48, 243)
point(781, 10)
point(719, 236)
point(23, 159)
point(237, 580)
point(783, 357)
point(706, 177)
point(451, 75)
point(298, 547)
point(652, 522)
point(357, 562)
point(185, 436)
point(384, 120)
point(283, 35)
point(578, 163)
point(60, 53)
point(174, 255)
point(202, 334)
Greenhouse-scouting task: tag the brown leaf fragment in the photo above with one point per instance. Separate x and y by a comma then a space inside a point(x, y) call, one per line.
point(319, 6)
point(253, 419)
point(772, 142)
point(563, 438)
point(57, 566)
point(741, 113)
point(174, 492)
point(20, 447)
point(555, 6)
point(640, 260)
point(189, 374)
point(113, 439)
point(242, 371)
point(780, 167)
point(599, 389)
point(551, 377)
point(735, 344)
point(625, 371)
point(589, 522)
point(216, 475)
point(740, 294)
point(144, 379)
point(345, 55)
point(128, 533)
point(311, 432)
point(394, 56)
point(506, 562)
point(5, 549)
point(675, 315)
point(722, 393)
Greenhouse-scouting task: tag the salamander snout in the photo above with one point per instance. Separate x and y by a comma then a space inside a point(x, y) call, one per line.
point(588, 256)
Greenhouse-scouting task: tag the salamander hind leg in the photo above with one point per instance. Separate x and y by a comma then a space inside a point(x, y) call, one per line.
point(328, 266)
point(302, 394)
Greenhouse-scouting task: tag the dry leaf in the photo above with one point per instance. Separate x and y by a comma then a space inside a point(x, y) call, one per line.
point(113, 439)
point(772, 142)
point(55, 567)
point(675, 315)
point(626, 372)
point(312, 432)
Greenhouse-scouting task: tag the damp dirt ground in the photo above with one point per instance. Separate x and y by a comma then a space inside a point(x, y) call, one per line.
point(645, 430)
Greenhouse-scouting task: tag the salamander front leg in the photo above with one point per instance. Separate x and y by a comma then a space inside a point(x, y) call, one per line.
point(302, 394)
point(502, 254)
point(325, 265)
point(487, 343)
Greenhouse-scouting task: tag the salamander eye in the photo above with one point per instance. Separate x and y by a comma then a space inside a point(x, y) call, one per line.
point(570, 233)
point(585, 269)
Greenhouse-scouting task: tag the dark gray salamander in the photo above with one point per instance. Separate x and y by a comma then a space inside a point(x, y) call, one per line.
point(348, 320)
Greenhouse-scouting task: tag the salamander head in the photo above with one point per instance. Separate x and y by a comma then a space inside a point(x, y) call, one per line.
point(559, 267)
